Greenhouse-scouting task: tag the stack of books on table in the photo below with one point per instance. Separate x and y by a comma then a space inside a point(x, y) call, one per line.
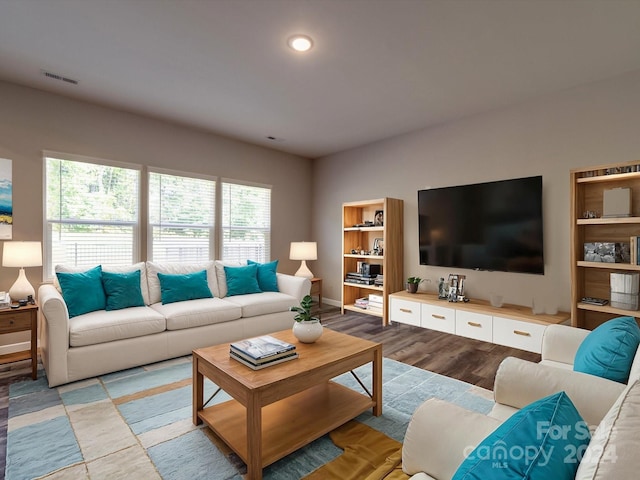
point(375, 303)
point(262, 352)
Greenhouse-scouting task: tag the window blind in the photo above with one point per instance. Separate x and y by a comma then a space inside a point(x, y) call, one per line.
point(246, 222)
point(181, 218)
point(92, 214)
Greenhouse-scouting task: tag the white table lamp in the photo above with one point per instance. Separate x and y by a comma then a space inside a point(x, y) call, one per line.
point(21, 254)
point(303, 251)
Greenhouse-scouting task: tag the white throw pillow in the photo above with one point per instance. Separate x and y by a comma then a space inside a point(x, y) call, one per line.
point(222, 277)
point(614, 450)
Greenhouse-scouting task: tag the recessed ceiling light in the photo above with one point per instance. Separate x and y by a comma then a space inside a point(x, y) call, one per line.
point(300, 43)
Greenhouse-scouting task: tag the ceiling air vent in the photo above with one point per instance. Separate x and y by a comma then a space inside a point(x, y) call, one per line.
point(55, 76)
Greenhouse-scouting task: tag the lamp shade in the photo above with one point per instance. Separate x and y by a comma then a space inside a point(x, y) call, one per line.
point(22, 254)
point(303, 251)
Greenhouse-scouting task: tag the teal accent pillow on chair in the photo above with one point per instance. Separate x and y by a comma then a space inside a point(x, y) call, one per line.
point(267, 279)
point(608, 351)
point(242, 280)
point(122, 290)
point(542, 441)
point(182, 287)
point(82, 291)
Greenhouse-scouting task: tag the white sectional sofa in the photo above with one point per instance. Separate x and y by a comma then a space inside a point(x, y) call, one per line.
point(440, 435)
point(105, 341)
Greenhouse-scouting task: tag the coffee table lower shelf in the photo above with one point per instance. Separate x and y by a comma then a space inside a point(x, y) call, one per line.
point(290, 423)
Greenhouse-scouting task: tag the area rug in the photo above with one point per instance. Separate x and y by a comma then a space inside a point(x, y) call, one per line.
point(137, 424)
point(368, 454)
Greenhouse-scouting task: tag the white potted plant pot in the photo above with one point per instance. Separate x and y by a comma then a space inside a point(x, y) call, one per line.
point(308, 331)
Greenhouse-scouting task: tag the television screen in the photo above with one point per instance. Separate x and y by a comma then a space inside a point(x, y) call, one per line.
point(485, 226)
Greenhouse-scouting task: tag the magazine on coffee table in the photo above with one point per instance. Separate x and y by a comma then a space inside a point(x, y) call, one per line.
point(260, 348)
point(257, 366)
point(261, 360)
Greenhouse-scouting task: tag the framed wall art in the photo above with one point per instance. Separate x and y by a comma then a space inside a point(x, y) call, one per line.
point(6, 200)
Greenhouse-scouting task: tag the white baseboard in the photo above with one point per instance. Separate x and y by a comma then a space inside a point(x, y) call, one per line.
point(333, 303)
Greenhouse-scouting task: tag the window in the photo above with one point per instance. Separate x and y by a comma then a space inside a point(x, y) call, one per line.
point(246, 222)
point(181, 218)
point(92, 213)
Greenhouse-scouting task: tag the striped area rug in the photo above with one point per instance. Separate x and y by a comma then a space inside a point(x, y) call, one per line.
point(137, 424)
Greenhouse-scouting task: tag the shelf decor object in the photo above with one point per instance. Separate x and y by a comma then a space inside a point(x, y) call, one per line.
point(605, 209)
point(303, 251)
point(21, 255)
point(372, 254)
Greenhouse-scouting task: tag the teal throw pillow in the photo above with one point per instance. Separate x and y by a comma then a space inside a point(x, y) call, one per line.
point(542, 441)
point(181, 287)
point(82, 291)
point(242, 280)
point(122, 290)
point(267, 278)
point(609, 350)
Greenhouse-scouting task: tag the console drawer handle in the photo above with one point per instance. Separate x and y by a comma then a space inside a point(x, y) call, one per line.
point(406, 310)
point(520, 332)
point(474, 324)
point(439, 317)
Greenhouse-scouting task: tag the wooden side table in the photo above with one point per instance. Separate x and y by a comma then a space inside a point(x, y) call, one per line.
point(316, 289)
point(21, 320)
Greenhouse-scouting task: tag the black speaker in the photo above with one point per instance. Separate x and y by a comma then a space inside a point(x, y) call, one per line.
point(370, 270)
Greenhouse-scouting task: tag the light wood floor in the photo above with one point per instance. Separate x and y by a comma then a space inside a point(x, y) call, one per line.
point(471, 361)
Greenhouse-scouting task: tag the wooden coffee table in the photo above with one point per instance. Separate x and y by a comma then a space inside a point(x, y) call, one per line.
point(279, 409)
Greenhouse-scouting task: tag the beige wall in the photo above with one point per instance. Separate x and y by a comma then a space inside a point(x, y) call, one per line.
point(32, 121)
point(584, 126)
point(590, 125)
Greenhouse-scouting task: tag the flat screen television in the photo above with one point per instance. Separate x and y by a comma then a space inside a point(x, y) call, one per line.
point(493, 226)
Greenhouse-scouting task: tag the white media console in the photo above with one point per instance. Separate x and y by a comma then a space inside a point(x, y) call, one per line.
point(510, 325)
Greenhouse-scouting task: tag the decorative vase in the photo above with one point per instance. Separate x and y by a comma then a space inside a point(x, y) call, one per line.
point(412, 287)
point(307, 332)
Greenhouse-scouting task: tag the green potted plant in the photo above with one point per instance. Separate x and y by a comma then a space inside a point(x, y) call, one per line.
point(412, 284)
point(306, 328)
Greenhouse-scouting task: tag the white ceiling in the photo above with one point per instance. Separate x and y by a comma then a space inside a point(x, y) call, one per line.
point(379, 67)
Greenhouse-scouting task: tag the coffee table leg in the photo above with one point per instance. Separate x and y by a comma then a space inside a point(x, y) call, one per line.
point(377, 381)
point(198, 391)
point(254, 438)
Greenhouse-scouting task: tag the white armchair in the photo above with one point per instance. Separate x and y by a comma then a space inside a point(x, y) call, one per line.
point(440, 434)
point(519, 382)
point(561, 342)
point(438, 437)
